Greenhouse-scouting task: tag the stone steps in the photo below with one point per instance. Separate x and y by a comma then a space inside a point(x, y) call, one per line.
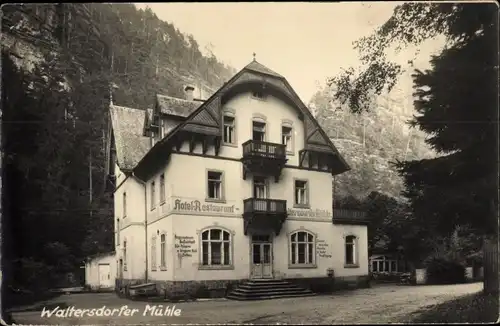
point(267, 289)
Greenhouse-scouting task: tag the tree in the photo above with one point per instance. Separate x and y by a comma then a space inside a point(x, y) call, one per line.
point(456, 105)
point(55, 116)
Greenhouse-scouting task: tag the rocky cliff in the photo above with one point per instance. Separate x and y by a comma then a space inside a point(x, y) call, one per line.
point(371, 141)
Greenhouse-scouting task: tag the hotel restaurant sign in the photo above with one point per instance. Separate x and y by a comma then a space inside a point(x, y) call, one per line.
point(309, 213)
point(198, 207)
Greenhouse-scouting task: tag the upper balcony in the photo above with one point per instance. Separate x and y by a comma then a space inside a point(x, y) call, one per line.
point(263, 158)
point(349, 216)
point(264, 215)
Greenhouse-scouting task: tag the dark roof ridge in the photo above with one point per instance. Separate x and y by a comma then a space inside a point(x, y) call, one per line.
point(126, 107)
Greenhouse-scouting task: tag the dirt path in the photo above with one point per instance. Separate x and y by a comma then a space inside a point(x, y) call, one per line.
point(380, 304)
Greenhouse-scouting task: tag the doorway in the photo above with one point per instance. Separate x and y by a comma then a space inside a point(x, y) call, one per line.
point(104, 271)
point(262, 257)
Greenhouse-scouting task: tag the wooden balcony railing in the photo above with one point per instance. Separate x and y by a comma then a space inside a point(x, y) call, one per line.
point(349, 215)
point(264, 149)
point(266, 206)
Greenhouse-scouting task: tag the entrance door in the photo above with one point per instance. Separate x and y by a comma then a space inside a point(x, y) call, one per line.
point(262, 257)
point(104, 275)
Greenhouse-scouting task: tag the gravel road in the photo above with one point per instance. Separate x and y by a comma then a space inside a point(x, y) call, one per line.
point(379, 304)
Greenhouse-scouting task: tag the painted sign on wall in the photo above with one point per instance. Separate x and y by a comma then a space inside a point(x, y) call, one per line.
point(309, 213)
point(185, 246)
point(196, 206)
point(323, 249)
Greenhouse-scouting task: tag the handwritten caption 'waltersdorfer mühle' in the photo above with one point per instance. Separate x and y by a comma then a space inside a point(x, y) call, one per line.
point(125, 311)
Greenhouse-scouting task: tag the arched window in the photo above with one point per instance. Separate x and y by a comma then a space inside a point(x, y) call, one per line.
point(302, 249)
point(350, 250)
point(163, 251)
point(287, 138)
point(229, 127)
point(215, 247)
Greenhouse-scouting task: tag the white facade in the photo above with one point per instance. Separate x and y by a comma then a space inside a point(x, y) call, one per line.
point(185, 222)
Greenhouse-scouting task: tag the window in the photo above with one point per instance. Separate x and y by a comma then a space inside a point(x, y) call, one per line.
point(229, 136)
point(286, 138)
point(301, 193)
point(216, 248)
point(153, 195)
point(259, 131)
point(384, 264)
point(162, 188)
point(163, 251)
point(302, 250)
point(350, 250)
point(214, 185)
point(118, 231)
point(260, 187)
point(124, 255)
point(153, 253)
point(124, 204)
point(258, 94)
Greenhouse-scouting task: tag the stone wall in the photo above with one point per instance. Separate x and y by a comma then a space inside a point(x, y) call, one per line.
point(220, 288)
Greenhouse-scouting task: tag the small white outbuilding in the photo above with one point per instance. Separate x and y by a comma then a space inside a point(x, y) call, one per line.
point(100, 271)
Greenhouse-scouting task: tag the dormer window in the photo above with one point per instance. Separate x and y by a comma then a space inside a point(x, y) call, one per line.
point(258, 95)
point(229, 136)
point(286, 138)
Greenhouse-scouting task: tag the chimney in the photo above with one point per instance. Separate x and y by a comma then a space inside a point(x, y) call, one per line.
point(189, 92)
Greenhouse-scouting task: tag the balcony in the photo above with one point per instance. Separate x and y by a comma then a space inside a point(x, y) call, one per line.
point(263, 158)
point(349, 216)
point(264, 215)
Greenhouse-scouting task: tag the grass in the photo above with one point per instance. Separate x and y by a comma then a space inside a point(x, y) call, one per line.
point(474, 308)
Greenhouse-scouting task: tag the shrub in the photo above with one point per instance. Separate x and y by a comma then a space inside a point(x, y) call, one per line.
point(386, 276)
point(441, 270)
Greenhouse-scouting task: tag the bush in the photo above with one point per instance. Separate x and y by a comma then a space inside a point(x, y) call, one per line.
point(386, 276)
point(441, 270)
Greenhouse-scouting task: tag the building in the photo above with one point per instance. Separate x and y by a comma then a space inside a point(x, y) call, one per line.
point(100, 272)
point(234, 187)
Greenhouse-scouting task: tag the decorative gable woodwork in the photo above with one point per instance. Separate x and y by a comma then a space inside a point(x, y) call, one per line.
point(207, 120)
point(204, 118)
point(309, 127)
point(317, 138)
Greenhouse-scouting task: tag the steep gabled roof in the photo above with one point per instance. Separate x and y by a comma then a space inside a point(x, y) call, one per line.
point(208, 114)
point(176, 106)
point(131, 145)
point(255, 66)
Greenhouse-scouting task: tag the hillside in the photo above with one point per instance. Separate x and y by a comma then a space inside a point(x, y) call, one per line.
point(140, 53)
point(371, 141)
point(58, 64)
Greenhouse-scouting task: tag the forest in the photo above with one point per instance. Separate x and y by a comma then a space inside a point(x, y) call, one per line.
point(60, 64)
